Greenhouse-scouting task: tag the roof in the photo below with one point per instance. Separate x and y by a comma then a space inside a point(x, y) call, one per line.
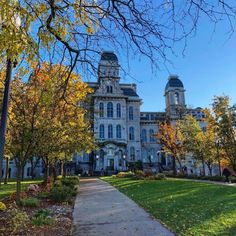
point(109, 56)
point(174, 81)
point(129, 92)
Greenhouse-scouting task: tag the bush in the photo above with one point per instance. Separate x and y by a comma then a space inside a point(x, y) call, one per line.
point(125, 174)
point(148, 174)
point(43, 194)
point(22, 195)
point(2, 206)
point(168, 173)
point(18, 219)
point(30, 202)
point(42, 217)
point(63, 193)
point(139, 174)
point(160, 176)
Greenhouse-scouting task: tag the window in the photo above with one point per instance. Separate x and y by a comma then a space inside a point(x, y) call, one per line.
point(28, 171)
point(151, 135)
point(101, 109)
point(131, 113)
point(131, 133)
point(118, 110)
point(118, 131)
point(109, 89)
point(132, 153)
point(109, 109)
point(176, 97)
point(144, 135)
point(101, 131)
point(110, 131)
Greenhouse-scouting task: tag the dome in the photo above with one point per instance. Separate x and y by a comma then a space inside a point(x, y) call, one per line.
point(109, 56)
point(174, 82)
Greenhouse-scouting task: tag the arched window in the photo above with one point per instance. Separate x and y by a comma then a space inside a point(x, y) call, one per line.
point(109, 109)
point(151, 135)
point(118, 110)
point(131, 133)
point(101, 109)
point(176, 98)
point(101, 131)
point(132, 153)
point(110, 131)
point(131, 113)
point(109, 89)
point(118, 131)
point(144, 135)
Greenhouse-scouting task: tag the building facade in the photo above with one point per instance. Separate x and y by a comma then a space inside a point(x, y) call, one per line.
point(123, 133)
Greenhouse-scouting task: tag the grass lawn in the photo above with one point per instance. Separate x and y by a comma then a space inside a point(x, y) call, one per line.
point(7, 189)
point(186, 207)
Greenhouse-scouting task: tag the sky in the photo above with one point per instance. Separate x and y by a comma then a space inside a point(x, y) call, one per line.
point(208, 68)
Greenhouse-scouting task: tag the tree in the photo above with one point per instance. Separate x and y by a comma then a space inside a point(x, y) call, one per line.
point(41, 123)
point(225, 118)
point(171, 139)
point(77, 29)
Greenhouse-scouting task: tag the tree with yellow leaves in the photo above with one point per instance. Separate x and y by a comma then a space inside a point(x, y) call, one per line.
point(45, 120)
point(170, 137)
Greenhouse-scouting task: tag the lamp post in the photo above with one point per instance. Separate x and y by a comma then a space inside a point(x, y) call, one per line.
point(218, 154)
point(4, 114)
point(97, 161)
point(124, 158)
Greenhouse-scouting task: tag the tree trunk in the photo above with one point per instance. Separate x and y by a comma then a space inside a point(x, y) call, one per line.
point(6, 171)
point(32, 168)
point(46, 167)
point(180, 166)
point(219, 167)
point(210, 169)
point(174, 166)
point(22, 172)
point(203, 168)
point(54, 173)
point(62, 169)
point(18, 183)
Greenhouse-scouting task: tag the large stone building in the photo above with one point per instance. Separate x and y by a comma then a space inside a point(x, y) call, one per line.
point(124, 134)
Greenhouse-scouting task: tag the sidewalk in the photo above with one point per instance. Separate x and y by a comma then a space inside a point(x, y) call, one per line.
point(101, 210)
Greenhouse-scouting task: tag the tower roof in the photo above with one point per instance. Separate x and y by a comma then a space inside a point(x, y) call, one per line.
point(109, 56)
point(174, 82)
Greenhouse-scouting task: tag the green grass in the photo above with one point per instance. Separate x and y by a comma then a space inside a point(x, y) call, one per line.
point(186, 207)
point(7, 189)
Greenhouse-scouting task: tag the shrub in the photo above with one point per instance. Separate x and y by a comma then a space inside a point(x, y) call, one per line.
point(68, 181)
point(30, 202)
point(18, 219)
point(22, 195)
point(168, 173)
point(125, 174)
point(63, 193)
point(139, 173)
point(2, 206)
point(148, 173)
point(42, 217)
point(43, 194)
point(160, 176)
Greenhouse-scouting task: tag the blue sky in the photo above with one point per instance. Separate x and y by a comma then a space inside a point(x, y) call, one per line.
point(207, 69)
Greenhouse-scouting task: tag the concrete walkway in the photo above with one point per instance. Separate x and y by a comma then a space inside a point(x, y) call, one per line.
point(101, 210)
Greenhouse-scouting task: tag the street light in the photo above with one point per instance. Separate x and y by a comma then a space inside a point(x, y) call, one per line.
point(3, 124)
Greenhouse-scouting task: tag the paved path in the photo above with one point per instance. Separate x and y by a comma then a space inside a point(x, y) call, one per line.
point(101, 210)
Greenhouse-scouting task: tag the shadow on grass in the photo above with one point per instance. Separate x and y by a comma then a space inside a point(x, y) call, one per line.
point(187, 207)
